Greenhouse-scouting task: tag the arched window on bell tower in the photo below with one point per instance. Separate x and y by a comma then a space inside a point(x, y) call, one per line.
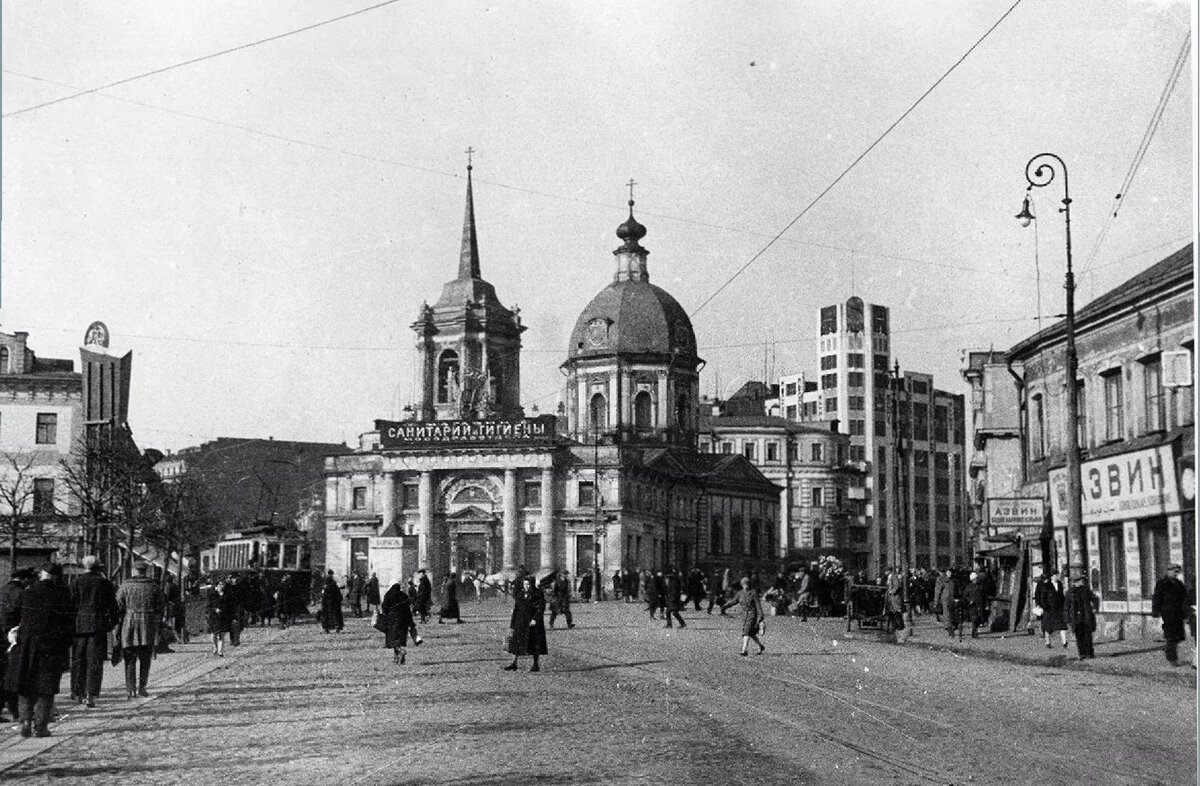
point(643, 410)
point(447, 376)
point(598, 414)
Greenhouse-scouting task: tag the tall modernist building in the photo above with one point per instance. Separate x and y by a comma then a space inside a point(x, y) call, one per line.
point(470, 484)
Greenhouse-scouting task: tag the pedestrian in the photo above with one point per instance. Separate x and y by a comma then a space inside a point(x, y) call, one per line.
point(654, 593)
point(234, 592)
point(356, 590)
point(1172, 603)
point(1080, 606)
point(42, 650)
point(977, 600)
point(266, 602)
point(585, 586)
point(283, 601)
point(331, 605)
point(946, 601)
point(753, 619)
point(716, 595)
point(10, 616)
point(140, 602)
point(424, 604)
point(449, 609)
point(695, 588)
point(598, 585)
point(937, 594)
point(218, 617)
point(894, 600)
point(372, 592)
point(560, 598)
point(672, 604)
point(527, 630)
point(396, 622)
point(804, 595)
point(478, 581)
point(618, 586)
point(95, 602)
point(1050, 599)
point(176, 608)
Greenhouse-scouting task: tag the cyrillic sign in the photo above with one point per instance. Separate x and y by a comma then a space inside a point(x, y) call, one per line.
point(1121, 488)
point(1008, 514)
point(458, 433)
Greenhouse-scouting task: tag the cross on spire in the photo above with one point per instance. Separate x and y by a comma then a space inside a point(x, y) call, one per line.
point(631, 184)
point(470, 150)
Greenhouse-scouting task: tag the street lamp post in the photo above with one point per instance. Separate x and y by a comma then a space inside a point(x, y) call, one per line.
point(1040, 171)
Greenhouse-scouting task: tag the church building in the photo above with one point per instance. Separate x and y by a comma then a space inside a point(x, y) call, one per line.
point(469, 483)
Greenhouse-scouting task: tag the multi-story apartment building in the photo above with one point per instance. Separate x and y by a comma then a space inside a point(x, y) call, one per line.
point(1135, 347)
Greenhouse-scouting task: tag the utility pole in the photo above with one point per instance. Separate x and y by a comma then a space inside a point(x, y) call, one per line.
point(903, 549)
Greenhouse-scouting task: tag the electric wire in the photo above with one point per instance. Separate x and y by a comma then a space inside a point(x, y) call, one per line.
point(200, 59)
point(856, 161)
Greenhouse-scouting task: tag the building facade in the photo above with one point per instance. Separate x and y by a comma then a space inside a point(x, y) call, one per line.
point(1135, 428)
point(470, 484)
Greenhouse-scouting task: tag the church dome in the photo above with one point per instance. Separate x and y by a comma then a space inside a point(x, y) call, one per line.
point(632, 317)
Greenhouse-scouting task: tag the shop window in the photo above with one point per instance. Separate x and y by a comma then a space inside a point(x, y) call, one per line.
point(1113, 406)
point(1153, 389)
point(1154, 547)
point(1112, 562)
point(643, 410)
point(359, 498)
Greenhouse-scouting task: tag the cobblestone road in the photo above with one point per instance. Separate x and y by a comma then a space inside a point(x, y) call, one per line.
point(620, 700)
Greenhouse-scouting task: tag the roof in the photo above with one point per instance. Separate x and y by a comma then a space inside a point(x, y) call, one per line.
point(716, 469)
point(632, 317)
point(1172, 271)
point(709, 423)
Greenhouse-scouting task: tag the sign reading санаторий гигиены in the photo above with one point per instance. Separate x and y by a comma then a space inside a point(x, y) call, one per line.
point(422, 435)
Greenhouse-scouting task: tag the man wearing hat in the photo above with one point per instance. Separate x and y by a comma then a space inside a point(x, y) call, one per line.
point(140, 602)
point(10, 604)
point(1172, 603)
point(95, 614)
point(42, 651)
point(424, 595)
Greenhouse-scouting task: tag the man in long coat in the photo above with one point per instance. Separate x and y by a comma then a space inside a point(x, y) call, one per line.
point(396, 622)
point(10, 605)
point(373, 592)
point(671, 601)
point(527, 630)
point(560, 598)
point(424, 595)
point(95, 602)
point(43, 649)
point(140, 603)
point(449, 609)
point(945, 601)
point(331, 605)
point(1172, 603)
point(1081, 605)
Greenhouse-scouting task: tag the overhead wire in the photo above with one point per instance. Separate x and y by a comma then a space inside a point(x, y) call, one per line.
point(201, 59)
point(856, 161)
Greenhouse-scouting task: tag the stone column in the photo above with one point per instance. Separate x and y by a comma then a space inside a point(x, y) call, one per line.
point(425, 522)
point(511, 533)
point(387, 489)
point(549, 546)
point(664, 406)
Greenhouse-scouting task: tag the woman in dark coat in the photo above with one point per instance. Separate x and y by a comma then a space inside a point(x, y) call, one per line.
point(977, 596)
point(46, 622)
point(218, 617)
point(373, 592)
point(396, 621)
point(528, 629)
point(752, 615)
point(449, 609)
point(331, 605)
point(1049, 598)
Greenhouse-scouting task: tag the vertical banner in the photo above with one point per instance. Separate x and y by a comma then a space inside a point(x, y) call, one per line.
point(1133, 563)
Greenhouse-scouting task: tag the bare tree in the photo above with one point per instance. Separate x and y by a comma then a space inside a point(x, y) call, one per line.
point(17, 516)
point(183, 517)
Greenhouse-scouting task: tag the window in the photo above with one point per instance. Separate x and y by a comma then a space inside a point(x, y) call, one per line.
point(410, 496)
point(643, 410)
point(818, 497)
point(587, 494)
point(941, 513)
point(920, 413)
point(920, 387)
point(922, 538)
point(727, 448)
point(879, 319)
point(1081, 414)
point(716, 535)
point(789, 389)
point(817, 537)
point(828, 362)
point(1037, 429)
point(880, 363)
point(772, 451)
point(828, 320)
point(858, 534)
point(857, 428)
point(1152, 386)
point(941, 424)
point(1112, 562)
point(958, 540)
point(920, 458)
point(858, 453)
point(921, 484)
point(854, 360)
point(854, 379)
point(921, 513)
point(1113, 415)
point(598, 414)
point(942, 538)
point(47, 428)
point(883, 541)
point(359, 497)
point(816, 451)
point(791, 412)
point(880, 427)
point(881, 462)
point(4, 360)
point(856, 403)
point(447, 378)
point(941, 486)
point(43, 497)
point(829, 381)
point(737, 544)
point(533, 494)
point(831, 405)
point(755, 536)
point(792, 452)
point(748, 450)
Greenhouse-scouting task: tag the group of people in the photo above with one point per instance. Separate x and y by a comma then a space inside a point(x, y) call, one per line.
point(51, 628)
point(237, 602)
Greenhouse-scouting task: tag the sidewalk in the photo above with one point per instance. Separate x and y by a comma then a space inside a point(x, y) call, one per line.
point(1142, 658)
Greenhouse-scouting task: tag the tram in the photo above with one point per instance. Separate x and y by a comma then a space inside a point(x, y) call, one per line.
point(271, 553)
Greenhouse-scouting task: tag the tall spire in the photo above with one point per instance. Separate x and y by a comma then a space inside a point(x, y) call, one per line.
point(468, 260)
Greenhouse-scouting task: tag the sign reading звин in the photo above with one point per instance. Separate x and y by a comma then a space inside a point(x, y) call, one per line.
point(457, 433)
point(1006, 514)
point(1121, 488)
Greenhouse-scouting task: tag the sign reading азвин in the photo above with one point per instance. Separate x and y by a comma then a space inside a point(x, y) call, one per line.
point(1011, 513)
point(1121, 488)
point(446, 433)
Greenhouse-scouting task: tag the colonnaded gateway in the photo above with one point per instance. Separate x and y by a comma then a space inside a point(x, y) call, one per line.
point(468, 483)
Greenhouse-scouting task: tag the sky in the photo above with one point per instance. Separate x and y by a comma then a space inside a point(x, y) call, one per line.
point(261, 227)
